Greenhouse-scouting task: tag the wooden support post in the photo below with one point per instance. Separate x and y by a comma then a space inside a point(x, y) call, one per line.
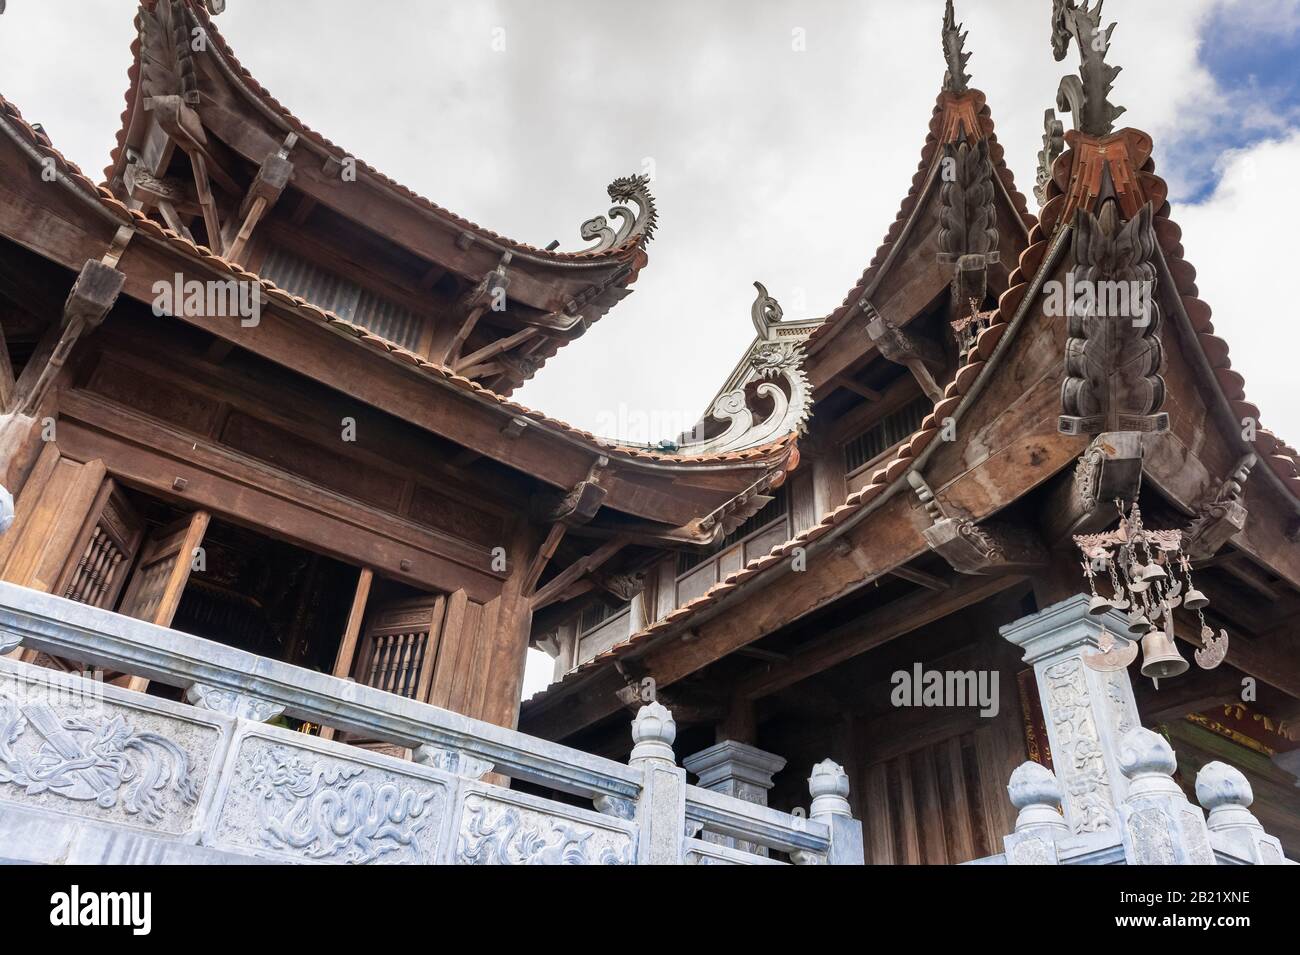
point(266, 188)
point(7, 380)
point(919, 355)
point(211, 220)
point(351, 633)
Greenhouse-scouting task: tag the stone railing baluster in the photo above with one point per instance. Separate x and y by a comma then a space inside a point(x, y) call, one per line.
point(1225, 792)
point(1160, 827)
point(829, 787)
point(1036, 792)
point(661, 806)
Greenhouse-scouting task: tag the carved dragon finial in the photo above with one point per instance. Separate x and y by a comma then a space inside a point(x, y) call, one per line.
point(776, 375)
point(1053, 145)
point(634, 189)
point(955, 77)
point(766, 312)
point(1086, 96)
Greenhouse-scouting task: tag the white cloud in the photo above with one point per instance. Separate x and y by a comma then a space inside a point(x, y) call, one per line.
point(1240, 242)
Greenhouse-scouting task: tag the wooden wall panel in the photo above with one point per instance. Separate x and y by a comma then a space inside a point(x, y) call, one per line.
point(930, 806)
point(51, 512)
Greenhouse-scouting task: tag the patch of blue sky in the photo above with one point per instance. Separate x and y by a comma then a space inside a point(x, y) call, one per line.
point(1252, 50)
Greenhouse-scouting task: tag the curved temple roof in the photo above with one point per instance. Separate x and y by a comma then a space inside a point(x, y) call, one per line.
point(730, 478)
point(573, 288)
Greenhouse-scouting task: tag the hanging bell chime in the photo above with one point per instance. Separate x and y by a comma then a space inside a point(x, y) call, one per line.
point(1195, 600)
point(1152, 572)
point(1138, 622)
point(1160, 656)
point(1099, 605)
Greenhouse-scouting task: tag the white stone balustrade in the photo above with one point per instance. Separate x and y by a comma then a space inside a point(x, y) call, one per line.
point(224, 787)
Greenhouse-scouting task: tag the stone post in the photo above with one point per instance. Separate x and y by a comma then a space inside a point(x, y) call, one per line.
point(1087, 711)
point(1160, 827)
point(829, 787)
point(661, 808)
point(739, 770)
point(1036, 793)
point(1234, 830)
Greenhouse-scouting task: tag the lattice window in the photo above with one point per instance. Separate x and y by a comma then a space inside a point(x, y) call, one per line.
point(885, 433)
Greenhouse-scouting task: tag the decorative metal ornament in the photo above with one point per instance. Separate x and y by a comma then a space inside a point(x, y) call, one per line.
point(1213, 650)
point(1110, 655)
point(1150, 577)
point(1160, 656)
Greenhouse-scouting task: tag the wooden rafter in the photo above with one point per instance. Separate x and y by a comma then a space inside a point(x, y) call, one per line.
point(895, 619)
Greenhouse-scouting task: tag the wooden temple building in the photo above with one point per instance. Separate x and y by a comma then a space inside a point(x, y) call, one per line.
point(256, 391)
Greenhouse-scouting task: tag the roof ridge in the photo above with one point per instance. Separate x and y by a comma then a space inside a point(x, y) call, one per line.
point(929, 154)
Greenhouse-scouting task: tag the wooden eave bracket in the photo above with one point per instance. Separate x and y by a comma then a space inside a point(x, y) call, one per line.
point(92, 296)
point(1221, 517)
point(268, 185)
point(919, 355)
point(578, 506)
point(987, 549)
point(471, 307)
point(1109, 469)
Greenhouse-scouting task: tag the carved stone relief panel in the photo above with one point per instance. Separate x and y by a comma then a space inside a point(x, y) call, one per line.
point(1076, 737)
point(496, 829)
point(318, 802)
point(75, 746)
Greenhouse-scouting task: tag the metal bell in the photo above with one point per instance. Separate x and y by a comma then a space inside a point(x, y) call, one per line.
point(1098, 605)
point(1152, 571)
point(1138, 623)
point(1160, 656)
point(1195, 600)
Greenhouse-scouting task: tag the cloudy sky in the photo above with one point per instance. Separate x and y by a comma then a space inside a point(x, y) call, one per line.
point(781, 136)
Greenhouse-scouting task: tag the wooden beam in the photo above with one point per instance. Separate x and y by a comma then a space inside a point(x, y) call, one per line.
point(543, 556)
point(912, 575)
point(211, 220)
point(496, 348)
point(879, 626)
point(579, 568)
point(845, 381)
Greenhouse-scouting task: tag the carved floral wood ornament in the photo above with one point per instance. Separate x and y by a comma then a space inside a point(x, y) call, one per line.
point(1113, 352)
